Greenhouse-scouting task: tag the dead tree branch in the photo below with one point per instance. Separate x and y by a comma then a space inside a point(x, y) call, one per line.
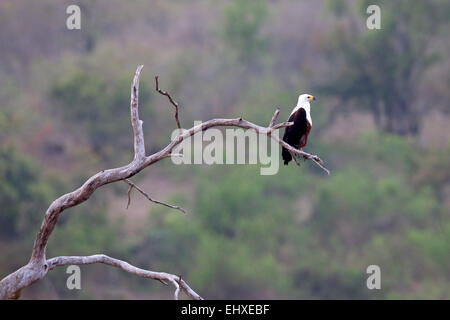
point(164, 93)
point(274, 117)
point(101, 258)
point(132, 185)
point(129, 196)
point(38, 265)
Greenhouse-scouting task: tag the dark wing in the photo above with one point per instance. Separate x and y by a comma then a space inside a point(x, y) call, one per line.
point(297, 134)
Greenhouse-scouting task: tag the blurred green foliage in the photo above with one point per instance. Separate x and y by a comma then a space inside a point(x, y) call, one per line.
point(260, 236)
point(383, 69)
point(242, 30)
point(298, 234)
point(98, 107)
point(23, 194)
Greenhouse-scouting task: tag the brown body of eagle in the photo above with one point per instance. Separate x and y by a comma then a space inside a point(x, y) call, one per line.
point(297, 134)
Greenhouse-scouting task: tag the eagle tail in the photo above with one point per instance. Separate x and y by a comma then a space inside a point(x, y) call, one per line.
point(286, 156)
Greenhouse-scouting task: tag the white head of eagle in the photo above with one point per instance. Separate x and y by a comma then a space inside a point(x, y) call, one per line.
point(297, 134)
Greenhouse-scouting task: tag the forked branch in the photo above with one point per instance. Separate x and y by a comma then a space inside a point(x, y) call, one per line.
point(38, 266)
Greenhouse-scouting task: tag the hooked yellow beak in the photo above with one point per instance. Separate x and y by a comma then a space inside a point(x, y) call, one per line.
point(310, 98)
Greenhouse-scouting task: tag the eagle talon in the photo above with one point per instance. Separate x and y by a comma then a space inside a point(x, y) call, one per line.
point(296, 159)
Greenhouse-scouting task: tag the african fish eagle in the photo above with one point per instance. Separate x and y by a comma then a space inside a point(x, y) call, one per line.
point(296, 135)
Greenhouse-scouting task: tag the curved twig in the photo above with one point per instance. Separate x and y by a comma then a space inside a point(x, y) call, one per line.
point(165, 93)
point(132, 185)
point(274, 117)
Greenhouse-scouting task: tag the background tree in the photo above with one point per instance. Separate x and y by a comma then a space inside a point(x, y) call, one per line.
point(384, 69)
point(242, 32)
point(386, 202)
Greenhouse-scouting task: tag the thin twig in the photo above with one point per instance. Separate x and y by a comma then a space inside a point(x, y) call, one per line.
point(139, 146)
point(319, 162)
point(165, 93)
point(177, 284)
point(132, 185)
point(274, 117)
point(129, 196)
point(280, 125)
point(294, 157)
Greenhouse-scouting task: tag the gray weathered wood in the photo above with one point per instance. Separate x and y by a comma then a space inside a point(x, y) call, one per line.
point(38, 265)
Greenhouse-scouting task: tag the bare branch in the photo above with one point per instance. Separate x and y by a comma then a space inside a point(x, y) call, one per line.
point(319, 162)
point(38, 267)
point(129, 196)
point(274, 117)
point(101, 258)
point(165, 93)
point(280, 125)
point(139, 146)
point(132, 185)
point(313, 158)
point(176, 283)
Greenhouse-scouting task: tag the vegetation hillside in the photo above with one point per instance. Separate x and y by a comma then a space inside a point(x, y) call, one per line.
point(380, 124)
